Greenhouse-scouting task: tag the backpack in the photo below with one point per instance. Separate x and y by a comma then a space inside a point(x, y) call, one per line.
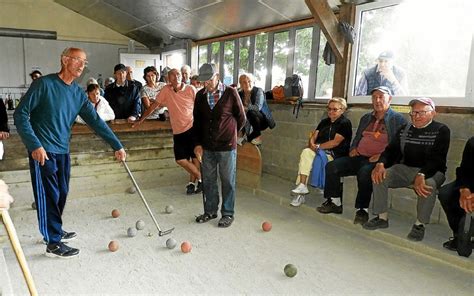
point(293, 86)
point(278, 93)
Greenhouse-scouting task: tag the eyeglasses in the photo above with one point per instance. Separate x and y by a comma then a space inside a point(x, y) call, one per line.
point(333, 109)
point(420, 113)
point(79, 60)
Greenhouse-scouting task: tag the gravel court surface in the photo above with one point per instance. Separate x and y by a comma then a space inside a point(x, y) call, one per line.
point(241, 259)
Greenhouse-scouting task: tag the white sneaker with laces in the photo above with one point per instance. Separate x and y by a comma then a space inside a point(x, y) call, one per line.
point(300, 189)
point(298, 200)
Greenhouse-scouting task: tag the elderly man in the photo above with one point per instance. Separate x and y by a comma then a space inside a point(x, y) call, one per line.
point(179, 98)
point(218, 115)
point(376, 129)
point(457, 199)
point(383, 74)
point(137, 83)
point(123, 96)
point(44, 119)
point(186, 74)
point(416, 158)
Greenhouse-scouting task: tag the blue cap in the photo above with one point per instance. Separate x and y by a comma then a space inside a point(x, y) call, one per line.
point(383, 89)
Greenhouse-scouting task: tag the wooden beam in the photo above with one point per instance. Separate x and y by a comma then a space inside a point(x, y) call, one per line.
point(342, 67)
point(324, 16)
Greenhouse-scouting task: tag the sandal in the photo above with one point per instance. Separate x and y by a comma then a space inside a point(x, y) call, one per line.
point(205, 217)
point(225, 221)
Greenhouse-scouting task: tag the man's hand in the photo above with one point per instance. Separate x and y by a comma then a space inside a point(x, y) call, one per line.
point(374, 158)
point(354, 152)
point(5, 198)
point(420, 186)
point(4, 135)
point(466, 200)
point(120, 155)
point(39, 154)
point(379, 173)
point(198, 152)
point(313, 147)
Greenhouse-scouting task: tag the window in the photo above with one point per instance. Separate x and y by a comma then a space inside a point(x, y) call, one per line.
point(228, 62)
point(417, 48)
point(325, 75)
point(261, 41)
point(303, 55)
point(215, 53)
point(280, 61)
point(202, 59)
point(244, 46)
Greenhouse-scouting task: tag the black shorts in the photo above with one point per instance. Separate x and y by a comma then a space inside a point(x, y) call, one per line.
point(183, 146)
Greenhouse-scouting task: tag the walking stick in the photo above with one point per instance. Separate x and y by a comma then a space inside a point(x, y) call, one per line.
point(160, 232)
point(18, 252)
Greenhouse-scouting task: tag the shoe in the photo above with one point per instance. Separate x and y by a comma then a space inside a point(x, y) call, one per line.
point(190, 188)
point(257, 141)
point(451, 244)
point(198, 187)
point(66, 237)
point(61, 250)
point(329, 207)
point(205, 217)
point(298, 200)
point(225, 221)
point(375, 223)
point(417, 233)
point(300, 189)
point(361, 217)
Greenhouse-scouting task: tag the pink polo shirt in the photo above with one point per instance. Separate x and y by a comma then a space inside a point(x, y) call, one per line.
point(180, 106)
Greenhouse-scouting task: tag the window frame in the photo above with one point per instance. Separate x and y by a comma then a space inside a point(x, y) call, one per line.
point(464, 101)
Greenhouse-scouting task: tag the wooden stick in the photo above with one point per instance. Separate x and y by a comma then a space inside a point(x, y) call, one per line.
point(18, 252)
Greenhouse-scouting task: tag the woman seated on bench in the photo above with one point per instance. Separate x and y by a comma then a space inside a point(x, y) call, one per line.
point(259, 116)
point(331, 139)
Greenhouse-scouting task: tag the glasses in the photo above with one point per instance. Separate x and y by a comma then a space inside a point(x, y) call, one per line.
point(79, 60)
point(420, 113)
point(333, 109)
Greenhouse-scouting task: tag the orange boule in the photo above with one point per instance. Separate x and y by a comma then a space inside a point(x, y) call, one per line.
point(266, 226)
point(186, 247)
point(115, 213)
point(113, 246)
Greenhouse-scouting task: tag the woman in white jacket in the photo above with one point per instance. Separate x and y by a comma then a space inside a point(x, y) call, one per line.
point(100, 104)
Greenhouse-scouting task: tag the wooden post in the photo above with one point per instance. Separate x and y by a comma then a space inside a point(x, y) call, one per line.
point(18, 252)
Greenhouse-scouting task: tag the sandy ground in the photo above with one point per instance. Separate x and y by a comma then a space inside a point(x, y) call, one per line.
point(239, 260)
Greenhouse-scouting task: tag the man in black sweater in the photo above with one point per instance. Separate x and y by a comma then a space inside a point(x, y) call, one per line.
point(416, 158)
point(457, 198)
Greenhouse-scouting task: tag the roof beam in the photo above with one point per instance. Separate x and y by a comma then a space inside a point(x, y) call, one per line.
point(326, 18)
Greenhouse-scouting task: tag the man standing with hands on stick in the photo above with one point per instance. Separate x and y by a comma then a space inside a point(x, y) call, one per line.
point(44, 119)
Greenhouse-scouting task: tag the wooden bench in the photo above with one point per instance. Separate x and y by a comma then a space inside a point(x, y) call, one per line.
point(249, 165)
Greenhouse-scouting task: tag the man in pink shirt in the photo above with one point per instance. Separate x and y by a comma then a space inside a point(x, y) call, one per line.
point(179, 97)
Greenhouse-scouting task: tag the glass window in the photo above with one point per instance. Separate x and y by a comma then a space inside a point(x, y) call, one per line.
point(416, 48)
point(261, 44)
point(228, 62)
point(325, 75)
point(244, 46)
point(202, 52)
point(215, 53)
point(280, 58)
point(303, 56)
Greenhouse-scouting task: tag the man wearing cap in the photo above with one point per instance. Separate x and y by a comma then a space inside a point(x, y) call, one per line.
point(218, 115)
point(123, 96)
point(415, 158)
point(383, 74)
point(376, 129)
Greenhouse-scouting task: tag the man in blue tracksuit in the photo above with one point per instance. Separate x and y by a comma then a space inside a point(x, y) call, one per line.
point(44, 119)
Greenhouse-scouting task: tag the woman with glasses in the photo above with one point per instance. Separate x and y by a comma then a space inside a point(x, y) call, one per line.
point(331, 139)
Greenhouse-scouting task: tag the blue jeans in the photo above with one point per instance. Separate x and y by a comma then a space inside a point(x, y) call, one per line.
point(350, 166)
point(226, 163)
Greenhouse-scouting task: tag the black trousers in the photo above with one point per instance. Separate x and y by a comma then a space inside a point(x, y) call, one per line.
point(449, 195)
point(258, 122)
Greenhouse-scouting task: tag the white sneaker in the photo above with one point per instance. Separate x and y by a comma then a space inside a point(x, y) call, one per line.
point(300, 189)
point(298, 201)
